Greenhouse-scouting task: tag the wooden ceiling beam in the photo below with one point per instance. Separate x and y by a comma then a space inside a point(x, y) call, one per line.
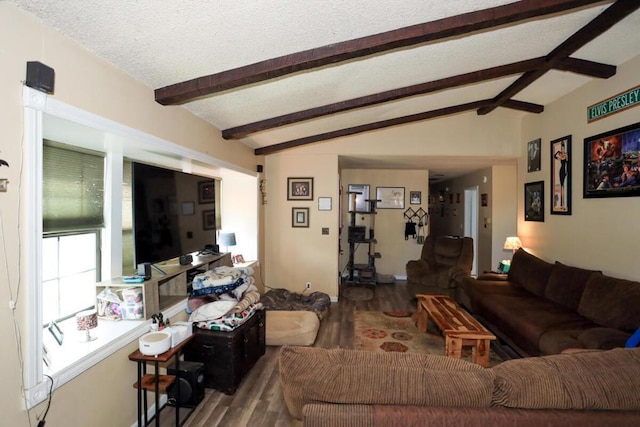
point(588, 68)
point(365, 46)
point(523, 106)
point(382, 97)
point(601, 23)
point(580, 66)
point(371, 126)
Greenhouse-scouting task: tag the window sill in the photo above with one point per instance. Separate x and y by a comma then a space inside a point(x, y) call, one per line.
point(73, 357)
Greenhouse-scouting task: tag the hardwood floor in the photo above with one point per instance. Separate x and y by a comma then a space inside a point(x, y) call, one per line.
point(258, 401)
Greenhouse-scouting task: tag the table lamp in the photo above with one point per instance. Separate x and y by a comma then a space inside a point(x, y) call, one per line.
point(513, 243)
point(227, 239)
point(85, 321)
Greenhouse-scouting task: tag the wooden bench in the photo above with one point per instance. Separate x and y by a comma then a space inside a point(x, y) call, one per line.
point(458, 327)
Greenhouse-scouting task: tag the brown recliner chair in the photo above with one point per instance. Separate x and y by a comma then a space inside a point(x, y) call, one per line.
point(443, 260)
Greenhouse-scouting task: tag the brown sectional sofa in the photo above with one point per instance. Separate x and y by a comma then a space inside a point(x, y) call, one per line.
point(339, 387)
point(542, 308)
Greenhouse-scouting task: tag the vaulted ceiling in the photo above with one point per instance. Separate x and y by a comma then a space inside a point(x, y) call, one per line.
point(282, 73)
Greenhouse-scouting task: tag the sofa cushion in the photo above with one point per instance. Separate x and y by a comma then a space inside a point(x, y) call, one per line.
point(611, 302)
point(315, 375)
point(605, 380)
point(525, 318)
point(566, 285)
point(603, 338)
point(530, 272)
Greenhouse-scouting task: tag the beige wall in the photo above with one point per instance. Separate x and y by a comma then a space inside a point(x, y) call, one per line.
point(295, 256)
point(88, 83)
point(601, 234)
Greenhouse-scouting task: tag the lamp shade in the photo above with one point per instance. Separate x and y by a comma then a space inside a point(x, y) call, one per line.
point(513, 243)
point(85, 321)
point(227, 239)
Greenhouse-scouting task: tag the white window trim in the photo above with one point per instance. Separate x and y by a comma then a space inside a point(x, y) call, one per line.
point(140, 145)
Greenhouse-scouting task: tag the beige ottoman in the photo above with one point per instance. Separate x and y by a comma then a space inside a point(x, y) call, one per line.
point(291, 327)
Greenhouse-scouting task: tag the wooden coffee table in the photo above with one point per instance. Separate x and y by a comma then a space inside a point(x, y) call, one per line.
point(458, 327)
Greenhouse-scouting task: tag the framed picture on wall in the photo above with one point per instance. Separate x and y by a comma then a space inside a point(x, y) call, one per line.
point(415, 197)
point(533, 155)
point(561, 176)
point(300, 217)
point(299, 188)
point(612, 163)
point(390, 197)
point(534, 201)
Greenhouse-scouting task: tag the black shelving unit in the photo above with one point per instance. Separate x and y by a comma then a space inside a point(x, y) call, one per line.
point(357, 234)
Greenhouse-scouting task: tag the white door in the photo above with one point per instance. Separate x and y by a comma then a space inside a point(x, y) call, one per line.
point(471, 222)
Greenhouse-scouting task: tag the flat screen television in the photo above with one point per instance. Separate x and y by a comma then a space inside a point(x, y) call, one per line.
point(174, 213)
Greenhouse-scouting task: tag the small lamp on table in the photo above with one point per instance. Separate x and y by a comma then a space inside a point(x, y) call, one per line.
point(85, 321)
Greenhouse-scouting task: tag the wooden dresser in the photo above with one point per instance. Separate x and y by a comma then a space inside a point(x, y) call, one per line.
point(228, 356)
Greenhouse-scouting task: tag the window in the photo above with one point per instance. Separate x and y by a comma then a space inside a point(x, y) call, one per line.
point(69, 271)
point(72, 220)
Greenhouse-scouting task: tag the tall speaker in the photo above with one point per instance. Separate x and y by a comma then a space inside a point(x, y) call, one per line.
point(191, 377)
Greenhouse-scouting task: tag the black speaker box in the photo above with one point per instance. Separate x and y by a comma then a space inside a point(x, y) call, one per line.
point(40, 77)
point(186, 259)
point(144, 270)
point(191, 377)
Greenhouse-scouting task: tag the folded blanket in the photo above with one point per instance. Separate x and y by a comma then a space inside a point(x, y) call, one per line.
point(222, 276)
point(230, 322)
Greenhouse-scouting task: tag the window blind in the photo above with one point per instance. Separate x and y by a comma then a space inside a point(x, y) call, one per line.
point(72, 191)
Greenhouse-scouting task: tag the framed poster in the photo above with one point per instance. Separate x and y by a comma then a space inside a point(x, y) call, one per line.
point(300, 217)
point(533, 157)
point(390, 197)
point(612, 163)
point(299, 188)
point(561, 176)
point(361, 199)
point(534, 201)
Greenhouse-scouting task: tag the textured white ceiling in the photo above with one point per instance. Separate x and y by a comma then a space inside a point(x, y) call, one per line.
point(161, 42)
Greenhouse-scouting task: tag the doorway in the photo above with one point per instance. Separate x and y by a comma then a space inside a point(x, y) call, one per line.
point(471, 222)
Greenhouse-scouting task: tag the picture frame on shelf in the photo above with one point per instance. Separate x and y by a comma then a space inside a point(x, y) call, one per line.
point(390, 197)
point(206, 192)
point(300, 217)
point(561, 153)
point(534, 201)
point(209, 219)
point(612, 163)
point(299, 188)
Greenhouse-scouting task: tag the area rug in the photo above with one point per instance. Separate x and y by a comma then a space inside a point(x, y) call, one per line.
point(355, 293)
point(396, 331)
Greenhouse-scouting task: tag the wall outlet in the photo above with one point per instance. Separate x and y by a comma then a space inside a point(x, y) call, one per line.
point(307, 285)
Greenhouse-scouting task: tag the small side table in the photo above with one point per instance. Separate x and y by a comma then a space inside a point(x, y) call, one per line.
point(156, 382)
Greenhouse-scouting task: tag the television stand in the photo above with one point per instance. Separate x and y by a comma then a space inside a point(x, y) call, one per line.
point(158, 269)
